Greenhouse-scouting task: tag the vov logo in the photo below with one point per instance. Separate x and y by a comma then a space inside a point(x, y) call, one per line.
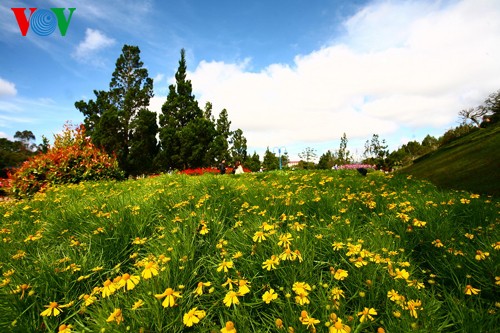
point(43, 22)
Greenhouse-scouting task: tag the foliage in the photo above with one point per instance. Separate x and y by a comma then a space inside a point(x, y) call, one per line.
point(12, 154)
point(253, 162)
point(238, 147)
point(455, 133)
point(308, 154)
point(110, 119)
point(262, 251)
point(483, 115)
point(72, 159)
point(470, 163)
point(143, 143)
point(270, 161)
point(178, 133)
point(326, 161)
point(343, 155)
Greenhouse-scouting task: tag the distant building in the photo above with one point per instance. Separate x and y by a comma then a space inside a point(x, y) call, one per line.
point(292, 164)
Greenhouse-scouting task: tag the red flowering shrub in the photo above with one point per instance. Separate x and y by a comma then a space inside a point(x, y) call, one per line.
point(72, 159)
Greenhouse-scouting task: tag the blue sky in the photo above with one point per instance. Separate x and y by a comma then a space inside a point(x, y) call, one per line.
point(291, 74)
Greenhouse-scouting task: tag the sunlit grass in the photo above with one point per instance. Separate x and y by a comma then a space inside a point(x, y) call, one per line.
point(328, 251)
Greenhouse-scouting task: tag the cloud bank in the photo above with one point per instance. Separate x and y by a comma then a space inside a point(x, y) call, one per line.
point(397, 66)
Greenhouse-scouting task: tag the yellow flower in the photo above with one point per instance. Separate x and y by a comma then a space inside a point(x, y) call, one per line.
point(193, 316)
point(65, 328)
point(170, 296)
point(437, 243)
point(128, 281)
point(302, 299)
point(243, 287)
point(401, 274)
point(415, 283)
point(229, 328)
point(480, 255)
point(309, 321)
point(53, 309)
point(393, 295)
point(199, 289)
point(469, 290)
point(271, 263)
point(339, 327)
point(338, 245)
point(231, 298)
point(150, 270)
point(137, 304)
point(279, 323)
point(285, 240)
point(88, 299)
point(340, 274)
point(224, 266)
point(301, 288)
point(269, 296)
point(288, 255)
point(108, 289)
point(367, 313)
point(298, 226)
point(259, 236)
point(413, 306)
point(115, 316)
point(337, 293)
point(237, 255)
point(229, 283)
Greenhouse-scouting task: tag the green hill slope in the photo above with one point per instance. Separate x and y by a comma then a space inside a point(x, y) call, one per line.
point(470, 163)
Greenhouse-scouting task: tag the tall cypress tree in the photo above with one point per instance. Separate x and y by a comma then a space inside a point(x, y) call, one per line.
point(185, 134)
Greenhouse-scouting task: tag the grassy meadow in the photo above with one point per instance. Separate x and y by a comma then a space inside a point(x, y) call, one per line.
point(324, 251)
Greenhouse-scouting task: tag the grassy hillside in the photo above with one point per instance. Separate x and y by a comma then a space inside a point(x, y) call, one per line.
point(326, 251)
point(470, 163)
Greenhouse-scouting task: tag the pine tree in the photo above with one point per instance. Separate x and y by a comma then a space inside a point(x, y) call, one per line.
point(144, 145)
point(219, 149)
point(270, 161)
point(108, 119)
point(185, 134)
point(238, 146)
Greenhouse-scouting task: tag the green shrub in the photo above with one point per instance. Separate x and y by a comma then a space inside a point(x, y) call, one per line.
point(73, 158)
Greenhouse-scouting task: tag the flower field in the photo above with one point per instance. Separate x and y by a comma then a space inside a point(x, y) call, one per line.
point(326, 251)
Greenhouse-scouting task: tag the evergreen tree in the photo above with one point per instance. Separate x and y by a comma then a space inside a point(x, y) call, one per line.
point(238, 146)
point(219, 149)
point(343, 154)
point(253, 162)
point(144, 145)
point(185, 134)
point(109, 118)
point(326, 161)
point(270, 161)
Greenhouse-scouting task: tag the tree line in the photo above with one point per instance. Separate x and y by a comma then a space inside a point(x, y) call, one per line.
point(183, 136)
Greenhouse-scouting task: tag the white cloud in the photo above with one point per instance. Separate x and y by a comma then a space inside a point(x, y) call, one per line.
point(400, 65)
point(94, 41)
point(7, 88)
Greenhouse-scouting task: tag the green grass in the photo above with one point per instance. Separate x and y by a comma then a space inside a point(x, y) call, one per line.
point(384, 231)
point(470, 163)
